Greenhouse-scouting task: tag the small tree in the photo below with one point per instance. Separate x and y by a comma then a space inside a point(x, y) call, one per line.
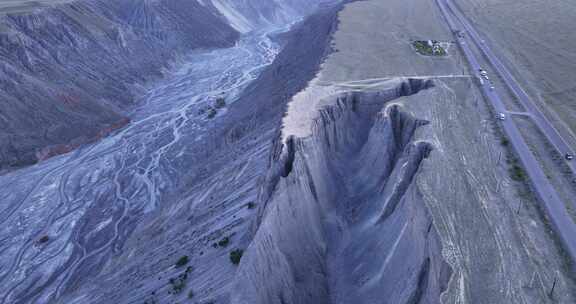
point(211, 113)
point(224, 242)
point(236, 255)
point(182, 261)
point(220, 103)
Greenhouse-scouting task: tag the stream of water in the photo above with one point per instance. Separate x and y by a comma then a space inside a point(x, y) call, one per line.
point(88, 201)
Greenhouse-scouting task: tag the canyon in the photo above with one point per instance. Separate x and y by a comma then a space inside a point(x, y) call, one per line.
point(247, 151)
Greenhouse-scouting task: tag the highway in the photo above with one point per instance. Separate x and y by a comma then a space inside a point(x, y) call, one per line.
point(559, 217)
point(539, 118)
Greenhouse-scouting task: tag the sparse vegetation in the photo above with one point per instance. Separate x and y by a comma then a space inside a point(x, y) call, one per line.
point(504, 142)
point(182, 261)
point(212, 110)
point(517, 173)
point(220, 103)
point(190, 294)
point(224, 242)
point(43, 239)
point(179, 282)
point(236, 255)
point(429, 48)
point(211, 113)
point(251, 205)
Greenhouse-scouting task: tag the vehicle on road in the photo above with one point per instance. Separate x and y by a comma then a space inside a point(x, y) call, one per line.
point(483, 74)
point(569, 156)
point(491, 88)
point(501, 116)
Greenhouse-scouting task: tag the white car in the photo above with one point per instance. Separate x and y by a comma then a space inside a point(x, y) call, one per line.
point(569, 156)
point(491, 88)
point(501, 116)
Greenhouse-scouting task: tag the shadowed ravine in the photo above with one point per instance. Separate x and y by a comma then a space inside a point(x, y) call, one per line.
point(342, 220)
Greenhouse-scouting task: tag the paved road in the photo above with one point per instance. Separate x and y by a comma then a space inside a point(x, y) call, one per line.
point(562, 222)
point(539, 118)
point(520, 113)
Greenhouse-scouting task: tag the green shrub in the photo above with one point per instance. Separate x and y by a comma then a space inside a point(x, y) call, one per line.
point(211, 113)
point(219, 103)
point(177, 285)
point(236, 255)
point(424, 48)
point(182, 261)
point(251, 205)
point(224, 242)
point(517, 173)
point(179, 282)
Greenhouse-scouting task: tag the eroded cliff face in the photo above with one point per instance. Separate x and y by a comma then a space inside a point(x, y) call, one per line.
point(341, 220)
